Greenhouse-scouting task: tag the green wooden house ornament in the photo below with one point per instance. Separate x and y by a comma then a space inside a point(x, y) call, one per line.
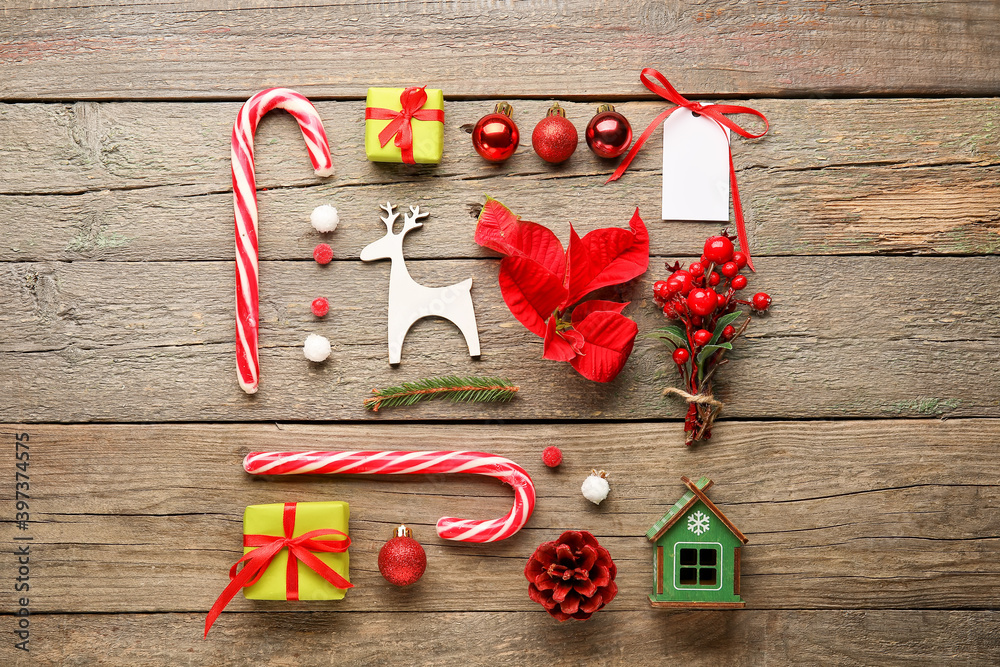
point(696, 562)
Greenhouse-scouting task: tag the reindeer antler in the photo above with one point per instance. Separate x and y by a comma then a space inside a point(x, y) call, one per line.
point(392, 213)
point(411, 218)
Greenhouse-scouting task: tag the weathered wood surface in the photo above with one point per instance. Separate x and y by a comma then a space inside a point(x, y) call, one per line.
point(849, 336)
point(739, 638)
point(845, 515)
point(871, 542)
point(203, 49)
point(145, 182)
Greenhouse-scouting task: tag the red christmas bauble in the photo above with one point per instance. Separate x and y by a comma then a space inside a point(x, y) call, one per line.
point(402, 560)
point(609, 133)
point(555, 138)
point(495, 136)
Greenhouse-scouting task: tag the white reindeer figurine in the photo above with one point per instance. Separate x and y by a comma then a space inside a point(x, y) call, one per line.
point(408, 300)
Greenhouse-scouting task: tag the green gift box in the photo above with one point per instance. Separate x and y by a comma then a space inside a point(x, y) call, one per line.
point(404, 125)
point(263, 524)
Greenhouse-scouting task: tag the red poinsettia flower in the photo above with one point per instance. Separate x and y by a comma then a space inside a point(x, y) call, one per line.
point(571, 577)
point(541, 282)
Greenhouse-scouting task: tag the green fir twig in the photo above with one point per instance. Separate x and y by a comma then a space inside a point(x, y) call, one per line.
point(454, 388)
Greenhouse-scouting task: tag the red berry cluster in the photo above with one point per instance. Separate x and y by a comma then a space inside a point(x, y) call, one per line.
point(699, 294)
point(703, 298)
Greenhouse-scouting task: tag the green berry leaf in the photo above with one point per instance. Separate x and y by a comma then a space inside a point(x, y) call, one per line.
point(672, 333)
point(723, 322)
point(709, 350)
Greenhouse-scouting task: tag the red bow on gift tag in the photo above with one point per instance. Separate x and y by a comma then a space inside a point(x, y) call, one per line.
point(658, 83)
point(268, 546)
point(411, 100)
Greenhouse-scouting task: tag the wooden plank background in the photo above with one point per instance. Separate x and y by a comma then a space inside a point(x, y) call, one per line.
point(860, 447)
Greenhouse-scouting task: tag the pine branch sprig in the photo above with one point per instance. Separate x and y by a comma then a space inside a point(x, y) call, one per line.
point(454, 388)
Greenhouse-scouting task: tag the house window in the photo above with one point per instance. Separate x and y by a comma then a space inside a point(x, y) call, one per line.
point(698, 566)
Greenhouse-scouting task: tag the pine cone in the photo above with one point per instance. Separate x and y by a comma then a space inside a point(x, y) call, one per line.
point(571, 577)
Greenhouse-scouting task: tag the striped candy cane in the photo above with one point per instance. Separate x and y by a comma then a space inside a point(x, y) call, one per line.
point(411, 463)
point(245, 207)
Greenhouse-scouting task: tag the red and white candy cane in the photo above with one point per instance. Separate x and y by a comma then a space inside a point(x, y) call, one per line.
point(412, 463)
point(245, 207)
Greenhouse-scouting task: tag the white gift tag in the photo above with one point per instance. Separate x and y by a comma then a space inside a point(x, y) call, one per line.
point(695, 168)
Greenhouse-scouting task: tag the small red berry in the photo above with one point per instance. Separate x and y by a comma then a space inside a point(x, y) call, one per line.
point(320, 307)
point(714, 279)
point(696, 320)
point(551, 456)
point(685, 279)
point(696, 269)
point(323, 253)
point(722, 300)
point(702, 301)
point(702, 336)
point(681, 356)
point(739, 282)
point(718, 249)
point(761, 301)
point(740, 258)
point(730, 269)
point(669, 311)
point(728, 331)
point(674, 285)
point(703, 260)
point(660, 289)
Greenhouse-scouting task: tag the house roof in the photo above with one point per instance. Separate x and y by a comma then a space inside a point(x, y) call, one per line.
point(696, 492)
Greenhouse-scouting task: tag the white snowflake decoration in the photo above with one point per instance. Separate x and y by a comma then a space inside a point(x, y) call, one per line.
point(698, 523)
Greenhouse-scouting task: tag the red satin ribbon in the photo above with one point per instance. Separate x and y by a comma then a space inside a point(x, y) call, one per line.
point(411, 99)
point(268, 546)
point(658, 83)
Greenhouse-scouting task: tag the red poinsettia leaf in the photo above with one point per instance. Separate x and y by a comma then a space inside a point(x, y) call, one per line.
point(530, 291)
point(557, 348)
point(494, 225)
point(499, 229)
point(605, 257)
point(581, 312)
point(609, 339)
point(531, 240)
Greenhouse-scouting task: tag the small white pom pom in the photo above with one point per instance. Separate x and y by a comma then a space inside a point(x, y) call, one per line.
point(324, 218)
point(595, 488)
point(316, 348)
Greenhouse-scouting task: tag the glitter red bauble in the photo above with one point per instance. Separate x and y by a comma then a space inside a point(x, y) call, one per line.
point(402, 560)
point(495, 136)
point(554, 138)
point(551, 456)
point(323, 253)
point(609, 133)
point(320, 307)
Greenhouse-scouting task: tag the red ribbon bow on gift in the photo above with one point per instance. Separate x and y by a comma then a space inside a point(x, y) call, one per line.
point(411, 100)
point(268, 546)
point(658, 83)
